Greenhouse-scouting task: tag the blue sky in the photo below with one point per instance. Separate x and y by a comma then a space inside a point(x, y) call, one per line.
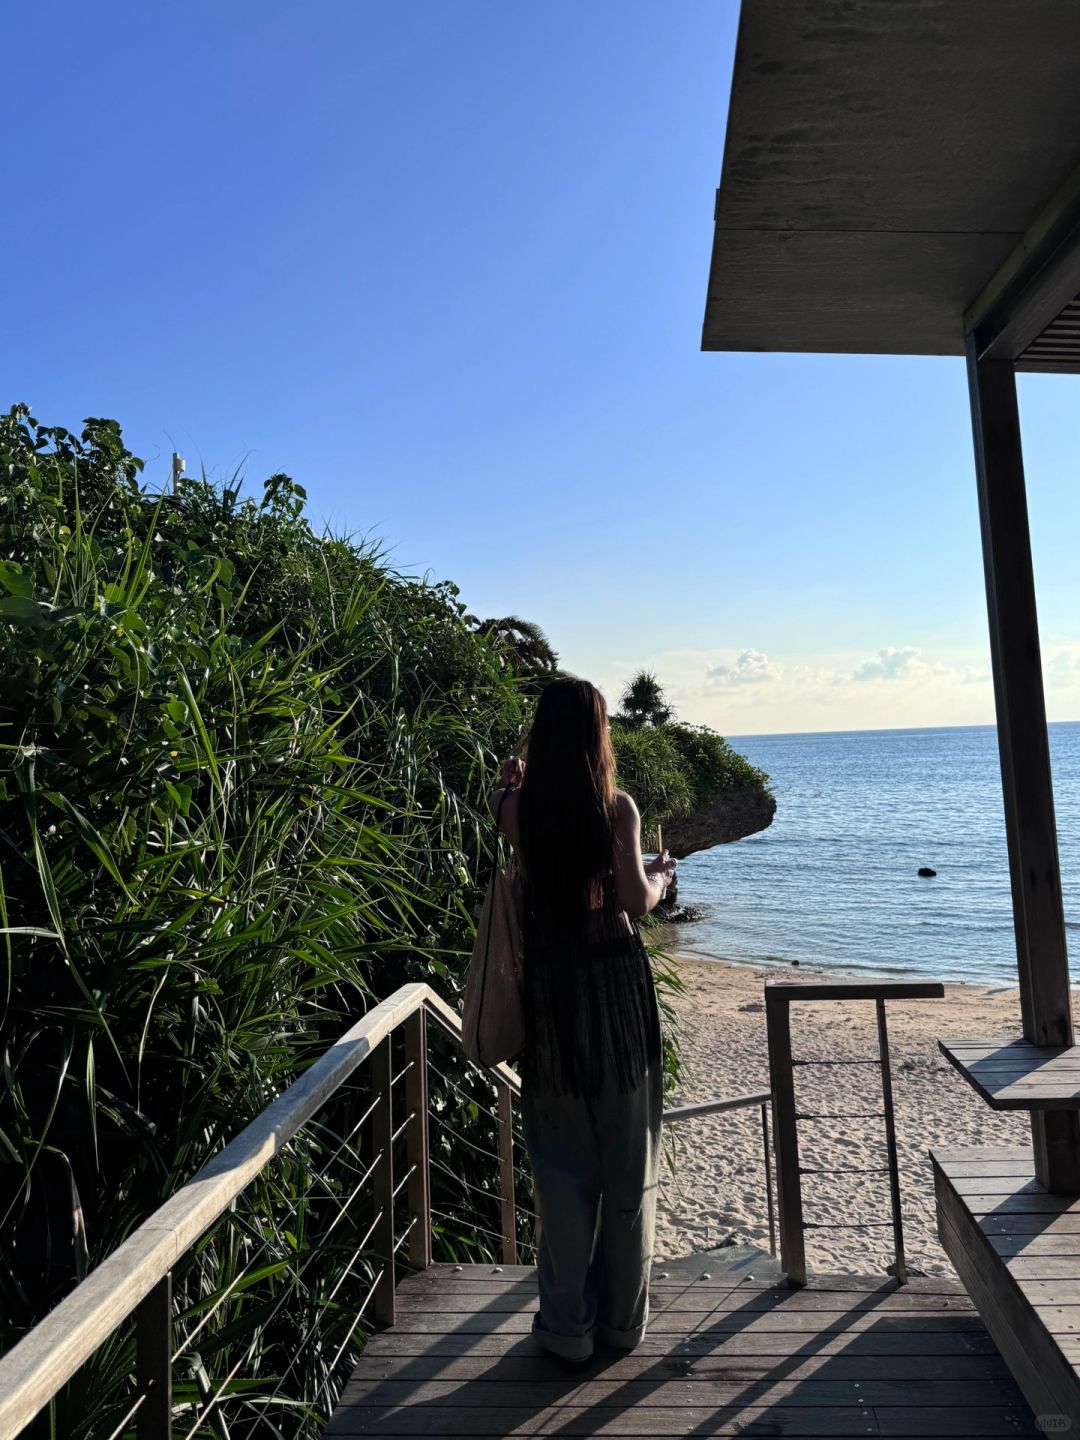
point(446, 265)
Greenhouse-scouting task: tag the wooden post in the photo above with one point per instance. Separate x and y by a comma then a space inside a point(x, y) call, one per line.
point(153, 1362)
point(785, 1137)
point(890, 1143)
point(507, 1201)
point(1038, 917)
point(416, 1140)
point(768, 1179)
point(382, 1130)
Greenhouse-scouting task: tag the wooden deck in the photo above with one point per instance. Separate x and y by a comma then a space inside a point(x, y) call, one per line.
point(1017, 1249)
point(724, 1355)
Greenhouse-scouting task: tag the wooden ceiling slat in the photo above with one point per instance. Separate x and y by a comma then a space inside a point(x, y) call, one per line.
point(1057, 349)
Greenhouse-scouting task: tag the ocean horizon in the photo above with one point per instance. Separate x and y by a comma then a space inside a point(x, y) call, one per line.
point(738, 740)
point(833, 883)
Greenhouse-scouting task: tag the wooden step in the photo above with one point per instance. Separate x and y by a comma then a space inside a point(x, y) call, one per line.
point(1015, 1254)
point(1013, 1074)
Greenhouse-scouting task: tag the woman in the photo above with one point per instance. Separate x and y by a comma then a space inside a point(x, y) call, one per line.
point(592, 1074)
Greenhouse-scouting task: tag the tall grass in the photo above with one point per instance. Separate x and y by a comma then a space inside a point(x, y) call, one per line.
point(243, 768)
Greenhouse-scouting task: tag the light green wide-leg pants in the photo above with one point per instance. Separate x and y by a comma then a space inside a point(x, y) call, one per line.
point(595, 1162)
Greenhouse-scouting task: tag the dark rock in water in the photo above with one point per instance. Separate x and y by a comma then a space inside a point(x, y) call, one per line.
point(795, 962)
point(926, 872)
point(677, 914)
point(731, 815)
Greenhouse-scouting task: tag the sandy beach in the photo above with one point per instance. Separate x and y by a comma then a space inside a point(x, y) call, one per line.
point(716, 1194)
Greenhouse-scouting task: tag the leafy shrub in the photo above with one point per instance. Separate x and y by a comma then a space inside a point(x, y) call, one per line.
point(650, 767)
point(243, 770)
point(710, 763)
point(241, 796)
point(669, 767)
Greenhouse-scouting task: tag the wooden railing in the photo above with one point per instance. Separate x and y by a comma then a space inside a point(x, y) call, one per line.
point(136, 1280)
point(136, 1277)
point(779, 996)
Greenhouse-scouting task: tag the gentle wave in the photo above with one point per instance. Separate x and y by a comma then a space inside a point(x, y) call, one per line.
point(832, 883)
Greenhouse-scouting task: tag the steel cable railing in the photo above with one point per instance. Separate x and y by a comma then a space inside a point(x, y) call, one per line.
point(757, 1099)
point(238, 1308)
point(779, 996)
point(255, 1338)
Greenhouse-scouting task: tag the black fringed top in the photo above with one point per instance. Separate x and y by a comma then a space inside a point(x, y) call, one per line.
point(591, 1016)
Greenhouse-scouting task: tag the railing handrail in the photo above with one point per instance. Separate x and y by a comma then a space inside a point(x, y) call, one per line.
point(781, 991)
point(755, 1099)
point(35, 1369)
point(716, 1107)
point(779, 997)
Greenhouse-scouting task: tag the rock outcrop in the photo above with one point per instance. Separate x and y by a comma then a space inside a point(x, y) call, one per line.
point(732, 815)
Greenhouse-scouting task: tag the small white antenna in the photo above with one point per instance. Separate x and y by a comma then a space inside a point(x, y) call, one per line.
point(179, 465)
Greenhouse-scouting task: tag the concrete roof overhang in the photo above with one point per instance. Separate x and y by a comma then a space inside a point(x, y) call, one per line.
point(893, 171)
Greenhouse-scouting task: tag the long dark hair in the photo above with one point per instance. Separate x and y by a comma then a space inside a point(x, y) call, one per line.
point(566, 819)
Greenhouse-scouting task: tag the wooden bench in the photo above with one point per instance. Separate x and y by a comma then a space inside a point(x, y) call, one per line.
point(1016, 1075)
point(1016, 1249)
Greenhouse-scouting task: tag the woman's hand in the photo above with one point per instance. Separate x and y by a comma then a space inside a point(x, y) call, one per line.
point(661, 867)
point(513, 774)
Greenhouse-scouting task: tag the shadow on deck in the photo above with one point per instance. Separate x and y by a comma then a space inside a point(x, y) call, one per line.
point(727, 1355)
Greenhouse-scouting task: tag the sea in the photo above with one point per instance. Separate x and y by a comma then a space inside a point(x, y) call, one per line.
point(833, 883)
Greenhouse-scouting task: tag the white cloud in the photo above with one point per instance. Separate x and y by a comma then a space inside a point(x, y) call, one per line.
point(894, 662)
point(815, 677)
point(756, 692)
point(1062, 665)
point(751, 668)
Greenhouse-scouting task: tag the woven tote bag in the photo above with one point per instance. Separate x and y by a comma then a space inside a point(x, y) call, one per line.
point(493, 1013)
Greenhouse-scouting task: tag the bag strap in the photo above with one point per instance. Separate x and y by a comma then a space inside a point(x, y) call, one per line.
point(498, 812)
point(487, 937)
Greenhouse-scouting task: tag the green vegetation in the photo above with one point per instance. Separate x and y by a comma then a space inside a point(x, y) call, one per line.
point(243, 770)
point(527, 650)
point(242, 795)
point(644, 703)
point(671, 768)
point(651, 769)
